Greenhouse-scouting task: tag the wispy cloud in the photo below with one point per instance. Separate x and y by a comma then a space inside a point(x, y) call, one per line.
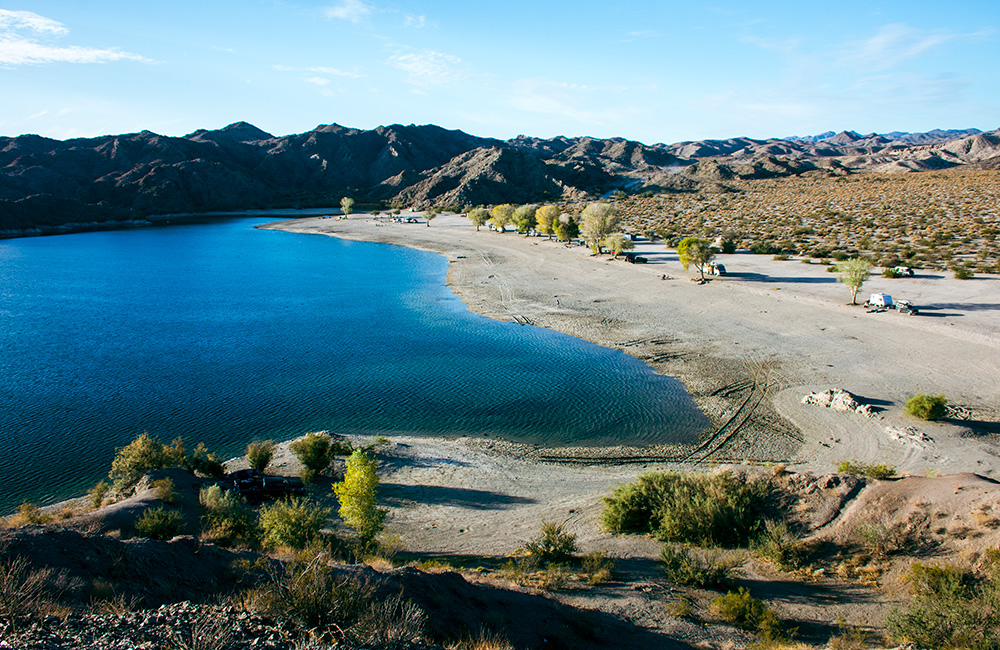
point(352, 10)
point(26, 39)
point(573, 101)
point(416, 21)
point(428, 68)
point(319, 69)
point(894, 45)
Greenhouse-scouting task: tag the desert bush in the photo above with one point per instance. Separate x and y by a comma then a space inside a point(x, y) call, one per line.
point(146, 453)
point(710, 569)
point(358, 497)
point(891, 272)
point(950, 608)
point(777, 544)
point(29, 514)
point(881, 471)
point(24, 591)
point(131, 462)
point(723, 509)
point(963, 273)
point(230, 520)
point(598, 567)
point(159, 523)
point(96, 494)
point(313, 451)
point(204, 462)
point(764, 248)
point(746, 612)
point(294, 523)
point(308, 591)
point(927, 407)
point(553, 545)
point(164, 489)
point(259, 454)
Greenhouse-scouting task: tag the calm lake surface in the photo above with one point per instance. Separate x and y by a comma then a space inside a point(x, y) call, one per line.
point(224, 334)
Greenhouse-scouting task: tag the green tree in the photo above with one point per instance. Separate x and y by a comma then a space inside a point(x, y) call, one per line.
point(697, 252)
point(501, 215)
point(617, 243)
point(853, 273)
point(597, 221)
point(479, 217)
point(347, 205)
point(546, 217)
point(524, 218)
point(566, 227)
point(429, 215)
point(313, 451)
point(358, 496)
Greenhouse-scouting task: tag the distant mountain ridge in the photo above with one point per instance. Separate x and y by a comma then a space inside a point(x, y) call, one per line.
point(46, 183)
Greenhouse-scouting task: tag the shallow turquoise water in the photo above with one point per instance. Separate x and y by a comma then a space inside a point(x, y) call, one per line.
point(221, 333)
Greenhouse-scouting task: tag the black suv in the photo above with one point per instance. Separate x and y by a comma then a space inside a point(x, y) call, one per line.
point(254, 485)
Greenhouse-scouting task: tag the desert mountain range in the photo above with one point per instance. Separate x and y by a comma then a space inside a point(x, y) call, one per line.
point(46, 183)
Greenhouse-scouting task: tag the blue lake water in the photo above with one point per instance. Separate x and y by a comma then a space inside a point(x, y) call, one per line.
point(224, 334)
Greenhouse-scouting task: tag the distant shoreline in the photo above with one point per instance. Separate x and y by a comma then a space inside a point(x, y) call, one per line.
point(747, 350)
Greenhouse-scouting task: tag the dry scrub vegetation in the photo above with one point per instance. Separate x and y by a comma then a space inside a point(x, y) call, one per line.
point(929, 220)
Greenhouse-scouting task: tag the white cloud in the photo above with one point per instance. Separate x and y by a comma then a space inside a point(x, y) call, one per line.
point(572, 101)
point(317, 81)
point(352, 10)
point(415, 21)
point(319, 69)
point(27, 20)
point(893, 46)
point(21, 43)
point(428, 68)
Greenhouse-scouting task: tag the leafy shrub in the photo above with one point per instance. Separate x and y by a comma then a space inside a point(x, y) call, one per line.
point(159, 523)
point(891, 272)
point(777, 544)
point(882, 471)
point(722, 509)
point(746, 612)
point(711, 569)
point(950, 608)
point(259, 454)
point(146, 453)
point(294, 522)
point(313, 451)
point(728, 247)
point(554, 544)
point(764, 248)
point(164, 489)
point(781, 257)
point(230, 520)
point(96, 494)
point(131, 462)
point(927, 407)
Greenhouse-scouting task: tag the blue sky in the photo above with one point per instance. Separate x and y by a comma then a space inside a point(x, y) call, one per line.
point(649, 71)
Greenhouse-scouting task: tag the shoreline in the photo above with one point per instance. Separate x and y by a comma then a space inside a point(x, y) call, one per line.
point(747, 347)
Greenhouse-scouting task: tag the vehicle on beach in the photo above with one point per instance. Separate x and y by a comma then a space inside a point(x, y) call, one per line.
point(880, 301)
point(716, 269)
point(907, 307)
point(904, 270)
point(254, 485)
point(633, 258)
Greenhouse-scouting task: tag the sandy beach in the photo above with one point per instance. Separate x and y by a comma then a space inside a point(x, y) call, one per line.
point(748, 346)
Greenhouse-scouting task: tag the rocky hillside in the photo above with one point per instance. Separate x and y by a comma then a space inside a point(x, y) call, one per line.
point(47, 183)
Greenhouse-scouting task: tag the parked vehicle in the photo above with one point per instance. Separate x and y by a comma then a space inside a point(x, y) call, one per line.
point(907, 307)
point(633, 258)
point(904, 270)
point(880, 301)
point(716, 269)
point(254, 485)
